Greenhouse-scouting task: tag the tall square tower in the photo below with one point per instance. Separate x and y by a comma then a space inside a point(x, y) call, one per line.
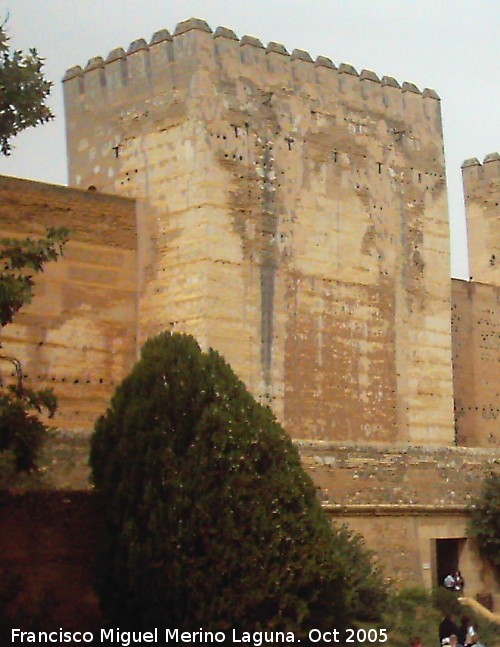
point(293, 215)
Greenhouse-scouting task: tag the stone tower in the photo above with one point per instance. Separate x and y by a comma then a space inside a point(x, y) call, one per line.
point(293, 215)
point(481, 191)
point(476, 303)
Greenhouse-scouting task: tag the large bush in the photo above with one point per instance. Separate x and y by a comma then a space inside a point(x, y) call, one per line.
point(411, 612)
point(211, 520)
point(417, 612)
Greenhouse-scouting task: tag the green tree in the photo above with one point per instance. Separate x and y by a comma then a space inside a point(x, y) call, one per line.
point(21, 430)
point(210, 518)
point(23, 92)
point(484, 523)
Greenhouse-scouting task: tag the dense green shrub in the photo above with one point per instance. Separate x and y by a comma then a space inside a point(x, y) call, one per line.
point(417, 612)
point(446, 601)
point(211, 520)
point(484, 524)
point(411, 613)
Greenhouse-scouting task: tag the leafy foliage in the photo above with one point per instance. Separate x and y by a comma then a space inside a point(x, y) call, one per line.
point(416, 612)
point(411, 613)
point(484, 524)
point(20, 256)
point(446, 601)
point(23, 92)
point(363, 577)
point(21, 431)
point(211, 520)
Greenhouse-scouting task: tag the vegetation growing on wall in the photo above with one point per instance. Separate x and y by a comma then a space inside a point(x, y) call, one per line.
point(210, 518)
point(484, 524)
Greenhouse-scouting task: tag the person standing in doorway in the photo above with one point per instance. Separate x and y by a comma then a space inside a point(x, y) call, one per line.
point(458, 582)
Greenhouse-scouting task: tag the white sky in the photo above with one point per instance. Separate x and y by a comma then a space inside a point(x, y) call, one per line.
point(452, 46)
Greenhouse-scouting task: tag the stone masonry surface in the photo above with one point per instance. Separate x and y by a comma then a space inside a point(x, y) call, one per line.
point(77, 336)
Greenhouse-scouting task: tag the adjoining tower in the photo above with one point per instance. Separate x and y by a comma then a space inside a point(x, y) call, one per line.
point(476, 303)
point(294, 216)
point(481, 191)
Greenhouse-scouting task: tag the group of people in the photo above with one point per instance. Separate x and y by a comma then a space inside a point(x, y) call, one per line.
point(462, 635)
point(454, 582)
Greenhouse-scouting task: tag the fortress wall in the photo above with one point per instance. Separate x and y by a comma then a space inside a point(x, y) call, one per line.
point(77, 335)
point(396, 475)
point(401, 499)
point(346, 473)
point(482, 196)
point(298, 217)
point(49, 544)
point(476, 355)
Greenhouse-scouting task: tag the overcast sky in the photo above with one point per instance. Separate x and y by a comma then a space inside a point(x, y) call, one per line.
point(452, 46)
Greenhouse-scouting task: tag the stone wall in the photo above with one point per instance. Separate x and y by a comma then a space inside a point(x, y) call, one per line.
point(345, 474)
point(299, 222)
point(476, 357)
point(62, 464)
point(78, 335)
point(402, 500)
point(386, 474)
point(48, 541)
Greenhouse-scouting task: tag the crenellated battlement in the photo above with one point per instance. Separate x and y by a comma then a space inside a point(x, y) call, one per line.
point(474, 172)
point(174, 59)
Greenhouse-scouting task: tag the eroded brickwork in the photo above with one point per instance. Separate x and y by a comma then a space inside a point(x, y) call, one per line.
point(77, 336)
point(298, 213)
point(396, 475)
